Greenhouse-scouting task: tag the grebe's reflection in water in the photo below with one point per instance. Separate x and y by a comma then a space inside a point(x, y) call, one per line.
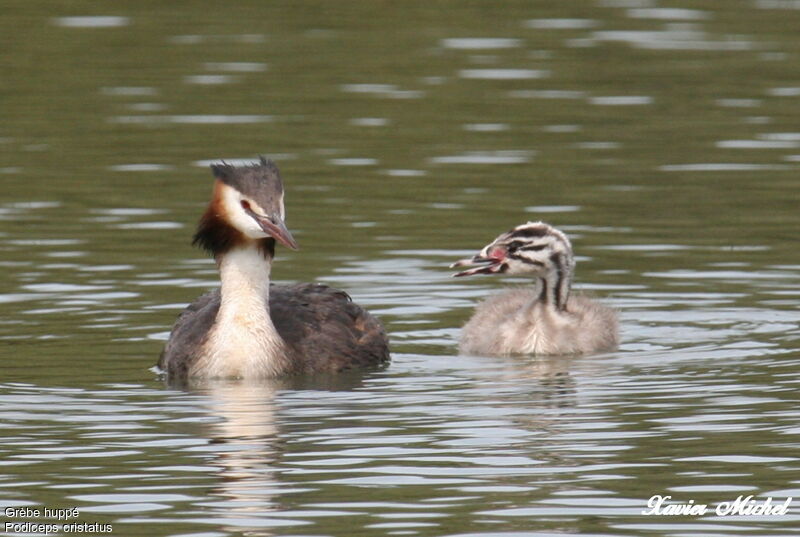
point(247, 444)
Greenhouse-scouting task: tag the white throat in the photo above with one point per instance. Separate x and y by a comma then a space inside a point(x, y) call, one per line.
point(243, 341)
point(244, 269)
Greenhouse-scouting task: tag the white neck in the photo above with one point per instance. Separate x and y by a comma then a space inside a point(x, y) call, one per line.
point(243, 341)
point(244, 269)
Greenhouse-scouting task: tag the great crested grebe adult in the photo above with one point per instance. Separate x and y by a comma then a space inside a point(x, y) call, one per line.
point(248, 328)
point(544, 319)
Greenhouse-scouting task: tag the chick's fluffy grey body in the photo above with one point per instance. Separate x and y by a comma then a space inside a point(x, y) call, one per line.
point(514, 321)
point(545, 318)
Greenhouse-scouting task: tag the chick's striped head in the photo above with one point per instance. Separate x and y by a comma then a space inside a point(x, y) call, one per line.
point(534, 248)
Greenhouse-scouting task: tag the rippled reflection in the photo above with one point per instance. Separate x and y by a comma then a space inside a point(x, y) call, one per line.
point(245, 438)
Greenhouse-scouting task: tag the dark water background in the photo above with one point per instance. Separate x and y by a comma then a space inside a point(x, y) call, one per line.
point(664, 137)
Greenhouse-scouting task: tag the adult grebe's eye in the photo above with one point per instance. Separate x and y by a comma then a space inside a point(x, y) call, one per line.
point(246, 205)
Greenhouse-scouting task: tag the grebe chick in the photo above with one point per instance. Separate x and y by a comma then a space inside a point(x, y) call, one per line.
point(544, 319)
point(248, 328)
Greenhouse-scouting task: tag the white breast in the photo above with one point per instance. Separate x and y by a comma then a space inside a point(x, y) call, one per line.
point(243, 341)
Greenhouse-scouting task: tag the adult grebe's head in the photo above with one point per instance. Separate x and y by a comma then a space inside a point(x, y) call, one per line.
point(246, 207)
point(534, 248)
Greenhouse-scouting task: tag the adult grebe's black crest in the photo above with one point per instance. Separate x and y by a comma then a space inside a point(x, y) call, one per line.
point(247, 327)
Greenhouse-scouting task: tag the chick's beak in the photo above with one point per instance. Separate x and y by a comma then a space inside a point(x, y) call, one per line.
point(487, 264)
point(274, 227)
point(469, 261)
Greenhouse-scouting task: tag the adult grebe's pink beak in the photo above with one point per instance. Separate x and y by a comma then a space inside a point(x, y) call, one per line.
point(275, 228)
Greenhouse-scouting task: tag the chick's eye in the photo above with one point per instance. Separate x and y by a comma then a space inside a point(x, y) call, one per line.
point(513, 247)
